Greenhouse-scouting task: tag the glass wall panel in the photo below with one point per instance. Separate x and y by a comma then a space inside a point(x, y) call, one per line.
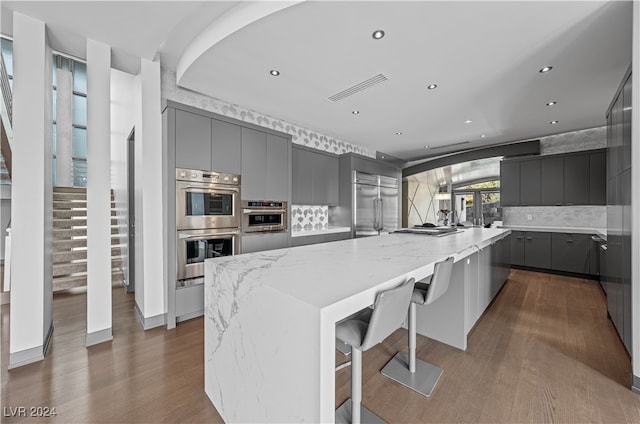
point(79, 143)
point(79, 173)
point(7, 55)
point(79, 110)
point(80, 77)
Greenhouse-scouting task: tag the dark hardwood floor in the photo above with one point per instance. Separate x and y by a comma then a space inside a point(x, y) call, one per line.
point(543, 352)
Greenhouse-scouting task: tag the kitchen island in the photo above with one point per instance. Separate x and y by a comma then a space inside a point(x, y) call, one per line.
point(270, 316)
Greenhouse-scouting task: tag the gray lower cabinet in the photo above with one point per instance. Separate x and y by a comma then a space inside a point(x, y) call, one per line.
point(319, 238)
point(571, 252)
point(189, 302)
point(517, 248)
point(226, 147)
point(260, 242)
point(537, 252)
point(193, 140)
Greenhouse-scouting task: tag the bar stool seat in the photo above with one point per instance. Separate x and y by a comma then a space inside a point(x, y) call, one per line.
point(362, 331)
point(418, 375)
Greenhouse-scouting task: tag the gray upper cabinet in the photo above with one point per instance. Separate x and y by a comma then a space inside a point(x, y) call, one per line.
point(576, 179)
point(265, 166)
point(598, 178)
point(254, 165)
point(530, 183)
point(315, 177)
point(552, 193)
point(277, 168)
point(510, 183)
point(625, 159)
point(226, 147)
point(193, 141)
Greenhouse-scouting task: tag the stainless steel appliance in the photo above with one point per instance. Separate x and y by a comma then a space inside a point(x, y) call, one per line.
point(207, 221)
point(207, 199)
point(264, 215)
point(376, 204)
point(194, 246)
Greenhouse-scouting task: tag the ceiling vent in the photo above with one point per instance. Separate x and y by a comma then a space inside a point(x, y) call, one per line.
point(358, 87)
point(449, 145)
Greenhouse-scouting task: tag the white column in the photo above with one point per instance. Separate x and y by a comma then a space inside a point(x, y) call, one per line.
point(64, 128)
point(31, 195)
point(98, 193)
point(150, 276)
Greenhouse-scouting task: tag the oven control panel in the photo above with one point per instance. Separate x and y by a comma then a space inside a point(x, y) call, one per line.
point(196, 175)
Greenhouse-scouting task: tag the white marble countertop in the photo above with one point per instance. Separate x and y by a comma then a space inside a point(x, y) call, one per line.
point(330, 230)
point(270, 316)
point(602, 232)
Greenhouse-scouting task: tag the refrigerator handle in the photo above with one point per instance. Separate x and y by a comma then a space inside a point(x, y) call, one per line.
point(377, 214)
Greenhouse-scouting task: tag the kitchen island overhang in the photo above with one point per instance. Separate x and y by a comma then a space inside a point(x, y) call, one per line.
point(270, 316)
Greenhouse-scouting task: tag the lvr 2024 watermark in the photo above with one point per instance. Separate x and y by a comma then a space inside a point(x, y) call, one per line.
point(29, 411)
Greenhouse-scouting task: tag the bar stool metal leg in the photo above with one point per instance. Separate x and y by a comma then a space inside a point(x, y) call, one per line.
point(415, 374)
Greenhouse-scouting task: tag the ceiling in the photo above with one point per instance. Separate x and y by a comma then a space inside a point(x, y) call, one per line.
point(484, 57)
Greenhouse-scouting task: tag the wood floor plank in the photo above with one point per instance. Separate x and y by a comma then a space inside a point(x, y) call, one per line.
point(544, 351)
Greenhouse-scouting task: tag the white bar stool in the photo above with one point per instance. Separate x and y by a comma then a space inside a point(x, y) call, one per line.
point(419, 375)
point(362, 331)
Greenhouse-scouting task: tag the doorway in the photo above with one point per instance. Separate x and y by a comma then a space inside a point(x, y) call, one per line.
point(131, 213)
point(477, 204)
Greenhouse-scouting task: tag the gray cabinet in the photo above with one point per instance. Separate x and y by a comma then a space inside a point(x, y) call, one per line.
point(552, 172)
point(517, 248)
point(277, 168)
point(598, 178)
point(510, 183)
point(571, 252)
point(537, 252)
point(315, 177)
point(576, 179)
point(226, 147)
point(193, 140)
point(254, 165)
point(530, 182)
point(319, 238)
point(261, 242)
point(265, 166)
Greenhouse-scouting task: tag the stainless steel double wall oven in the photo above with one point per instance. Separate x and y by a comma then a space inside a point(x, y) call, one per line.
point(207, 221)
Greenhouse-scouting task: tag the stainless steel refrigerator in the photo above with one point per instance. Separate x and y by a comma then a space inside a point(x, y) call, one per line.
point(376, 208)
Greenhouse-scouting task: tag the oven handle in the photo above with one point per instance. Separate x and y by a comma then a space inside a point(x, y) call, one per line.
point(269, 211)
point(187, 236)
point(212, 188)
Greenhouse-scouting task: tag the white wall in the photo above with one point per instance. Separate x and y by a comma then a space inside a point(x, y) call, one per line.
point(5, 214)
point(31, 261)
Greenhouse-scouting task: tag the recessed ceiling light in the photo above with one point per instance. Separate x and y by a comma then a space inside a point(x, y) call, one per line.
point(546, 69)
point(554, 122)
point(355, 112)
point(274, 72)
point(551, 103)
point(427, 147)
point(399, 133)
point(381, 156)
point(432, 87)
point(377, 34)
point(482, 136)
point(468, 121)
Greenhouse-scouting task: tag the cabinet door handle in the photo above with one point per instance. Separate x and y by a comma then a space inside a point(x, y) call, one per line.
point(529, 238)
point(569, 241)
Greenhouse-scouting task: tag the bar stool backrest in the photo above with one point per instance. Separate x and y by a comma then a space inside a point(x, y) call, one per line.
point(389, 312)
point(440, 281)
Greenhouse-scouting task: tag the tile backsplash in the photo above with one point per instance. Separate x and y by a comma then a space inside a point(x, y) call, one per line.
point(309, 218)
point(556, 216)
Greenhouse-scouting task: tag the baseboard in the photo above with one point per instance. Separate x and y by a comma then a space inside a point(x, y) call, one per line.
point(26, 357)
point(150, 322)
point(98, 337)
point(5, 298)
point(635, 383)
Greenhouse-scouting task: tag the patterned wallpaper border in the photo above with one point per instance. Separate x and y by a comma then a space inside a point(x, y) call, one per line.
point(300, 135)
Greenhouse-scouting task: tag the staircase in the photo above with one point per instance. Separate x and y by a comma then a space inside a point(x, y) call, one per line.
point(70, 240)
